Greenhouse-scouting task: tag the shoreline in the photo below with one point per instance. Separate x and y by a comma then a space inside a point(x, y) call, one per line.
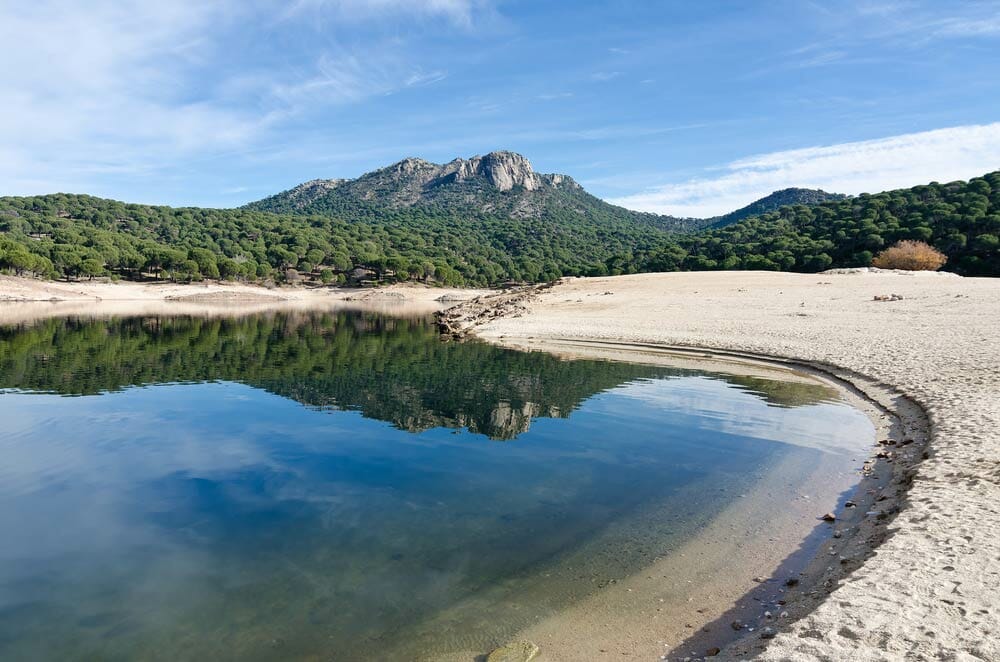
point(24, 300)
point(929, 589)
point(821, 557)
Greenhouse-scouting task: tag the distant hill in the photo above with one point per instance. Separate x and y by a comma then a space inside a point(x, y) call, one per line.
point(777, 200)
point(498, 184)
point(961, 219)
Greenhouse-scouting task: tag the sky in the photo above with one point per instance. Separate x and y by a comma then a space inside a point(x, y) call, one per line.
point(686, 108)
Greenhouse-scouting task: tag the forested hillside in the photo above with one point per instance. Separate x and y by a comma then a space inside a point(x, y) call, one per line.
point(82, 236)
point(961, 219)
point(73, 236)
point(777, 200)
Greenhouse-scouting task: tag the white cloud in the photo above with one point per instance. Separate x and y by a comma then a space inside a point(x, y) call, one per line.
point(856, 167)
point(138, 88)
point(458, 11)
point(103, 88)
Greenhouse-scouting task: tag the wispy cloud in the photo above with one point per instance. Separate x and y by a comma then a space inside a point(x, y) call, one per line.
point(603, 76)
point(866, 166)
point(104, 87)
point(132, 87)
point(344, 77)
point(552, 96)
point(458, 11)
point(970, 28)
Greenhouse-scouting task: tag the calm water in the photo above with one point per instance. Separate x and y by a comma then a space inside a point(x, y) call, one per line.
point(344, 486)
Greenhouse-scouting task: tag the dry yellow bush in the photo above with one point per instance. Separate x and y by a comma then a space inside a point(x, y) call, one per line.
point(910, 255)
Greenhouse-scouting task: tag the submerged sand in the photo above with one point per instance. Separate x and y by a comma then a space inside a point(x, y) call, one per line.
point(931, 589)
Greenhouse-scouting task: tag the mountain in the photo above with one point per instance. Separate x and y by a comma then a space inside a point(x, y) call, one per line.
point(783, 198)
point(498, 184)
point(482, 221)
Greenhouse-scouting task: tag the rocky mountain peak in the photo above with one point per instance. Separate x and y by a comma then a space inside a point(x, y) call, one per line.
point(504, 170)
point(411, 165)
point(314, 188)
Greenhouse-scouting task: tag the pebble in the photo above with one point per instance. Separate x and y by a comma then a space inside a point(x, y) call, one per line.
point(768, 633)
point(518, 651)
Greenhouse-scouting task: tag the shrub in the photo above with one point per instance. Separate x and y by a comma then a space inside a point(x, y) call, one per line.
point(910, 255)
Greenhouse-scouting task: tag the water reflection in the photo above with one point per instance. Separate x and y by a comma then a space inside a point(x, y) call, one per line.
point(210, 515)
point(391, 369)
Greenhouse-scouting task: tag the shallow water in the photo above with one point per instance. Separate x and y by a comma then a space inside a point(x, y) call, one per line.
point(344, 486)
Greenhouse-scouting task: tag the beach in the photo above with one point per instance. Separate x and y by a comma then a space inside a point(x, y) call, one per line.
point(23, 300)
point(914, 572)
point(930, 589)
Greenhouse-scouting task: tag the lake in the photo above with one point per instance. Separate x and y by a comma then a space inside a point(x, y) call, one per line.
point(345, 486)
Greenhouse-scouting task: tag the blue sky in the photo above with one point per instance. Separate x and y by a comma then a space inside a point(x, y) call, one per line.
point(691, 108)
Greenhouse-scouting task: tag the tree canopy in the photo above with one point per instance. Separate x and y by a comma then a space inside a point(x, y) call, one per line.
point(74, 236)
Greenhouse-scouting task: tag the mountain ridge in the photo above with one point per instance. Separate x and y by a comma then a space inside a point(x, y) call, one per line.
point(500, 182)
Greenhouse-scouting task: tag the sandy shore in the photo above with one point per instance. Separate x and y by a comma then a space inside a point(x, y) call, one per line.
point(920, 585)
point(24, 299)
point(931, 588)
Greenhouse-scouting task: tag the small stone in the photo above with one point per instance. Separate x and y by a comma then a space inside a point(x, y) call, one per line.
point(736, 625)
point(792, 581)
point(837, 534)
point(713, 651)
point(783, 614)
point(849, 504)
point(768, 633)
point(517, 651)
point(829, 517)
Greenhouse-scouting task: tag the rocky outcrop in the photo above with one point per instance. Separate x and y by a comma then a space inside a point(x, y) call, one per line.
point(504, 170)
point(458, 322)
point(306, 192)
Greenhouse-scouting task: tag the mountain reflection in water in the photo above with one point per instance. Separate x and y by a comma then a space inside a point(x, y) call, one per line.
point(320, 486)
point(392, 369)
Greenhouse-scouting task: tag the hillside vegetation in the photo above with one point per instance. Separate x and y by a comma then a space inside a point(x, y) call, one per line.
point(960, 219)
point(477, 223)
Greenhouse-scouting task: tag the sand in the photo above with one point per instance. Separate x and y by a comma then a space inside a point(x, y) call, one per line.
point(931, 588)
point(23, 299)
